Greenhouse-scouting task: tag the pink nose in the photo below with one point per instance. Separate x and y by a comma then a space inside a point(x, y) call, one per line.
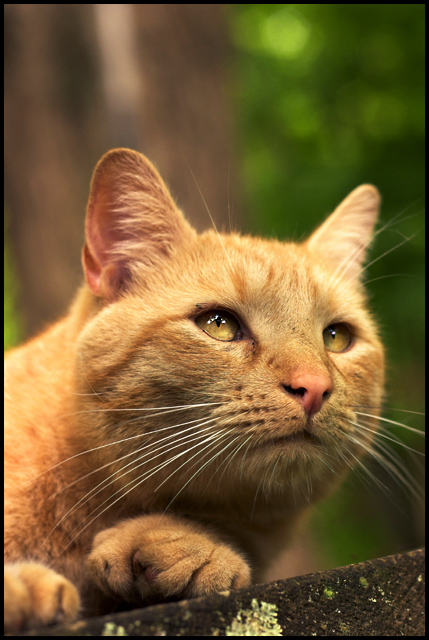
point(309, 389)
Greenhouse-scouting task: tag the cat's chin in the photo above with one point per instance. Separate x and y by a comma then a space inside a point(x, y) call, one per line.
point(303, 439)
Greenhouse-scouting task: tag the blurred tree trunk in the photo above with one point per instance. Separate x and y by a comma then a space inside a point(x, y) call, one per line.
point(80, 79)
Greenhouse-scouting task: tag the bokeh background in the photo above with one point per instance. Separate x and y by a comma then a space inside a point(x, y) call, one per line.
point(276, 112)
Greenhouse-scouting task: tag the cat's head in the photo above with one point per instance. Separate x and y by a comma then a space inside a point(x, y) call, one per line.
point(224, 362)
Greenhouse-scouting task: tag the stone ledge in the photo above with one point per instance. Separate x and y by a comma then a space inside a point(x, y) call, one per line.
point(382, 597)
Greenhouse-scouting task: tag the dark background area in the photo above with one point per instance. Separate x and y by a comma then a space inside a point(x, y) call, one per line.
point(277, 111)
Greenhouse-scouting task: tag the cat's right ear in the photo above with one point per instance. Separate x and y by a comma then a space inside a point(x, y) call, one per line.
point(132, 223)
point(345, 236)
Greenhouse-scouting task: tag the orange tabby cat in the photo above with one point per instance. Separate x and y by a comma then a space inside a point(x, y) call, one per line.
point(163, 439)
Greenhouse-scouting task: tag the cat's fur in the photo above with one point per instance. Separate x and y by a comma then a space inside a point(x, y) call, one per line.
point(216, 447)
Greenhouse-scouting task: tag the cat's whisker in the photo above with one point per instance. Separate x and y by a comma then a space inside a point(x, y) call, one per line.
point(229, 200)
point(384, 434)
point(148, 434)
point(377, 433)
point(359, 462)
point(341, 454)
point(345, 265)
point(162, 410)
point(400, 244)
point(399, 218)
point(357, 471)
point(94, 394)
point(399, 472)
point(217, 436)
point(138, 481)
point(390, 275)
point(230, 458)
point(227, 461)
point(362, 406)
point(223, 434)
point(398, 424)
point(255, 498)
point(107, 481)
point(391, 463)
point(244, 459)
point(325, 462)
point(273, 470)
point(82, 366)
point(111, 444)
point(161, 446)
point(210, 216)
point(175, 434)
point(162, 450)
point(349, 260)
point(216, 455)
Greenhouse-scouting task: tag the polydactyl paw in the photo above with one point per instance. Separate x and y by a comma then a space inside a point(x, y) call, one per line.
point(163, 556)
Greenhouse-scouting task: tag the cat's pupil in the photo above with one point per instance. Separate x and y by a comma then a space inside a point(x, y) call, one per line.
point(219, 324)
point(337, 337)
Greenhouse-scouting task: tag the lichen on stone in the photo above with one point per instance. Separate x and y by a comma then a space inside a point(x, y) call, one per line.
point(261, 620)
point(364, 582)
point(328, 593)
point(111, 629)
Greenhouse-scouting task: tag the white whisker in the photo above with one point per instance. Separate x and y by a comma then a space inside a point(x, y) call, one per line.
point(387, 252)
point(361, 406)
point(383, 435)
point(216, 455)
point(211, 217)
point(160, 466)
point(399, 424)
point(228, 460)
point(111, 444)
point(93, 492)
point(390, 275)
point(390, 461)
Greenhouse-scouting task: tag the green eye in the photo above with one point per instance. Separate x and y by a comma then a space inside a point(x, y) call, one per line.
point(337, 337)
point(219, 324)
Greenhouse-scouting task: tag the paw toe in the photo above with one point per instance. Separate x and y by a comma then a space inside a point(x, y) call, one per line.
point(37, 596)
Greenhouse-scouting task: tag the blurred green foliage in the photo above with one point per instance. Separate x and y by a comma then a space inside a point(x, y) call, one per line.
point(13, 331)
point(329, 96)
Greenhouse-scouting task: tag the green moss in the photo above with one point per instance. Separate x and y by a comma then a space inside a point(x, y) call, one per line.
point(364, 582)
point(344, 628)
point(111, 629)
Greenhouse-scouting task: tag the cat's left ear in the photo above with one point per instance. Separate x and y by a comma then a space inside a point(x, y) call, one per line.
point(132, 223)
point(344, 238)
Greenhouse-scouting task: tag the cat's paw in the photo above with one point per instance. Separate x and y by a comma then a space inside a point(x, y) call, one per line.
point(36, 596)
point(163, 557)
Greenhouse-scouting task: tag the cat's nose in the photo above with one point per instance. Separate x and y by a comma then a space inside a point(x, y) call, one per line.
point(311, 390)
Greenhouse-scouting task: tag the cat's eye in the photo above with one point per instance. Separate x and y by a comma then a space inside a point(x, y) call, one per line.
point(337, 337)
point(219, 324)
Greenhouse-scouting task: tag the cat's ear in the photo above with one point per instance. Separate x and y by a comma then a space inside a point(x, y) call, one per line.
point(131, 222)
point(343, 239)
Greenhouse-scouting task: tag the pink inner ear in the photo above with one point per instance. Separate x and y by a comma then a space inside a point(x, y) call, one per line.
point(101, 257)
point(92, 270)
point(131, 222)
